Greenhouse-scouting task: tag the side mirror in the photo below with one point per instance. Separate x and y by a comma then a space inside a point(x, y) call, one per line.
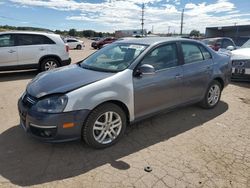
point(146, 69)
point(230, 48)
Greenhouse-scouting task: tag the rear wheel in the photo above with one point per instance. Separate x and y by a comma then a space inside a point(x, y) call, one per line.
point(49, 64)
point(78, 47)
point(212, 96)
point(104, 126)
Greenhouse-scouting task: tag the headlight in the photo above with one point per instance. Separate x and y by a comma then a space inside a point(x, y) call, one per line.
point(53, 104)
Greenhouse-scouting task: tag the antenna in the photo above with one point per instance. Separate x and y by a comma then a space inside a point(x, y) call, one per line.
point(142, 18)
point(182, 16)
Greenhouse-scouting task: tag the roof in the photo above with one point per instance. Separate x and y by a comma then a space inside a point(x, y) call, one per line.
point(228, 28)
point(153, 40)
point(26, 32)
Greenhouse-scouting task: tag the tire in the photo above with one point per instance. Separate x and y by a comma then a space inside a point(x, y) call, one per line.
point(78, 47)
point(49, 64)
point(97, 133)
point(212, 96)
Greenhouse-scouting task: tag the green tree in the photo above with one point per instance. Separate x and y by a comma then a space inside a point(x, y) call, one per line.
point(72, 32)
point(195, 33)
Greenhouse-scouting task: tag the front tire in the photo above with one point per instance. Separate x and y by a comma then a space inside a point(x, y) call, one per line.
point(212, 96)
point(104, 126)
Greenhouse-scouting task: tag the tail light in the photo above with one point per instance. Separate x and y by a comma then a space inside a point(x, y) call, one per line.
point(67, 48)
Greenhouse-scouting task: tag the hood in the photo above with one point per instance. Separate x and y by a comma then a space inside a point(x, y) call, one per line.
point(242, 53)
point(62, 80)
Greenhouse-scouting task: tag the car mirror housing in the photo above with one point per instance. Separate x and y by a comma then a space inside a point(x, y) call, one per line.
point(146, 69)
point(230, 48)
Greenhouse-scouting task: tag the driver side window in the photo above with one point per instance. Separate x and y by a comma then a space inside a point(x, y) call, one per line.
point(162, 57)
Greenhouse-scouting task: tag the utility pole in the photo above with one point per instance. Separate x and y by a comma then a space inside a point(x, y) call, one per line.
point(168, 30)
point(182, 16)
point(142, 19)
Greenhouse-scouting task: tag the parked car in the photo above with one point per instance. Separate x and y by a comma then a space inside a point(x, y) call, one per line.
point(222, 43)
point(241, 62)
point(74, 43)
point(99, 44)
point(120, 84)
point(32, 50)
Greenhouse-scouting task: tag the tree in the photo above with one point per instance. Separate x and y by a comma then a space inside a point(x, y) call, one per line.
point(72, 32)
point(195, 33)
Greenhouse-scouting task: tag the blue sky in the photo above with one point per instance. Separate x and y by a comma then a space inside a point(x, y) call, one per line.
point(111, 15)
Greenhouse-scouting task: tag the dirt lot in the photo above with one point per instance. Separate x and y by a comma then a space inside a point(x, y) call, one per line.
point(189, 147)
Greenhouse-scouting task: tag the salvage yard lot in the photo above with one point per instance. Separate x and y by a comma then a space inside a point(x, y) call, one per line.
point(189, 147)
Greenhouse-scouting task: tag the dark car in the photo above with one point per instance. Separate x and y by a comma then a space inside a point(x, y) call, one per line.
point(99, 44)
point(220, 43)
point(123, 83)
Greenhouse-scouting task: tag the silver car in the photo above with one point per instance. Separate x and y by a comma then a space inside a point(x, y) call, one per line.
point(122, 83)
point(241, 62)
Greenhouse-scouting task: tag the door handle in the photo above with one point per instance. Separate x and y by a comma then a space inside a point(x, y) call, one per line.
point(178, 76)
point(11, 51)
point(42, 49)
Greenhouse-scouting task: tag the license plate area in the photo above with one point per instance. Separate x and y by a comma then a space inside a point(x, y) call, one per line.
point(239, 70)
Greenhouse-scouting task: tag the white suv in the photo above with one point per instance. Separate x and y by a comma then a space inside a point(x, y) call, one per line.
point(74, 43)
point(32, 50)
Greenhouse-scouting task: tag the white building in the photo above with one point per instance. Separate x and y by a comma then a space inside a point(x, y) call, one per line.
point(130, 33)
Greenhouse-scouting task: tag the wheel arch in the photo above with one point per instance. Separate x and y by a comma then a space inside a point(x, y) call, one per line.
point(120, 104)
point(221, 81)
point(49, 56)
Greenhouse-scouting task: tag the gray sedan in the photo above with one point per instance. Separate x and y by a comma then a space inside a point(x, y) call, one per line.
point(122, 83)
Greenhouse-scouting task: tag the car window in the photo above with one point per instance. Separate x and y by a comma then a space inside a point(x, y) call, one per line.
point(7, 40)
point(71, 40)
point(28, 39)
point(205, 52)
point(162, 57)
point(191, 53)
point(226, 43)
point(113, 58)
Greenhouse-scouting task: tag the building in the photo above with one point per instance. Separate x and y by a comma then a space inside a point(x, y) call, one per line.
point(239, 33)
point(130, 33)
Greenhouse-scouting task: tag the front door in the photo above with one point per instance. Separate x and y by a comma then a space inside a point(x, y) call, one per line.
point(160, 90)
point(8, 50)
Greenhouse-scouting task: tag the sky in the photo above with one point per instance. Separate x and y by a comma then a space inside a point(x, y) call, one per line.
point(161, 16)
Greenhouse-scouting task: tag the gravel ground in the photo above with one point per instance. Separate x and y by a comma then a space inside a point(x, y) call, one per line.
point(189, 147)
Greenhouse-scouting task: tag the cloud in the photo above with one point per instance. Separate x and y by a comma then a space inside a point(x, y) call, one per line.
point(125, 14)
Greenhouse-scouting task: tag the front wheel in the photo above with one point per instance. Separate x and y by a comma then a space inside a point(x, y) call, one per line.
point(212, 96)
point(104, 126)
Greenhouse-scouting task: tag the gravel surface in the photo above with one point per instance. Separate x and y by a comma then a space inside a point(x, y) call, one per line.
point(189, 147)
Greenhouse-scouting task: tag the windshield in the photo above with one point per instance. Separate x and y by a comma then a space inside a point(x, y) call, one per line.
point(246, 44)
point(113, 58)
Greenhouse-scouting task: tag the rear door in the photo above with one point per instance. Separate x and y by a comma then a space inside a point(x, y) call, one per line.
point(197, 70)
point(8, 50)
point(31, 48)
point(160, 90)
point(72, 43)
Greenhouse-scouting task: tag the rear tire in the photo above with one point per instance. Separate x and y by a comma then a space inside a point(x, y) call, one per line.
point(212, 96)
point(49, 64)
point(104, 126)
point(78, 47)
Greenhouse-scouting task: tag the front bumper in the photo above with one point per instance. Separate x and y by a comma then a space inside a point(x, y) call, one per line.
point(238, 74)
point(49, 127)
point(66, 62)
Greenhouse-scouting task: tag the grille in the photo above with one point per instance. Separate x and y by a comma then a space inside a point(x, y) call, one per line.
point(28, 100)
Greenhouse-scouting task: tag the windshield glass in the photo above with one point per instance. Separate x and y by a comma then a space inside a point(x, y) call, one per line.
point(246, 44)
point(113, 58)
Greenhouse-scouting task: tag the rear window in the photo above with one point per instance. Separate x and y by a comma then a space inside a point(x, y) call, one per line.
point(29, 39)
point(191, 53)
